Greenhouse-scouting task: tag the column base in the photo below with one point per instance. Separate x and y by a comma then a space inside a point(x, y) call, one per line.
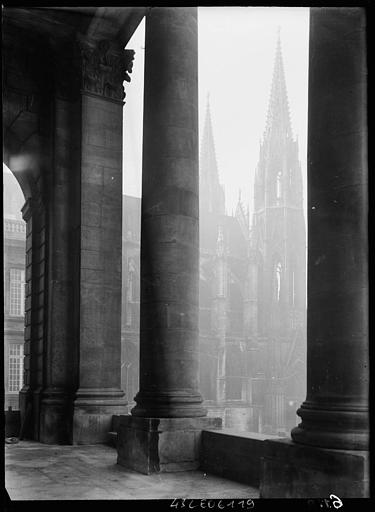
point(55, 417)
point(290, 470)
point(332, 427)
point(171, 404)
point(153, 445)
point(30, 404)
point(93, 410)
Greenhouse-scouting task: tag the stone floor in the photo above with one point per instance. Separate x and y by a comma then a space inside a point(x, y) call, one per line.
point(35, 471)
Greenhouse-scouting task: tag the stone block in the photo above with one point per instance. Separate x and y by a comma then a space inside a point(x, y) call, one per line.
point(153, 445)
point(92, 423)
point(291, 470)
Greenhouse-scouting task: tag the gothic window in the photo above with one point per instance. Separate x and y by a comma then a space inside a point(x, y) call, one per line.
point(278, 186)
point(204, 306)
point(129, 299)
point(235, 312)
point(234, 373)
point(260, 296)
point(208, 372)
point(278, 270)
point(293, 289)
point(17, 292)
point(131, 294)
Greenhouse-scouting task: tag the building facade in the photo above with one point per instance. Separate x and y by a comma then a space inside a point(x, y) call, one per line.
point(14, 229)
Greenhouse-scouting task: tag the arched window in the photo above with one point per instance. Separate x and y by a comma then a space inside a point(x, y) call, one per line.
point(278, 186)
point(278, 270)
point(131, 293)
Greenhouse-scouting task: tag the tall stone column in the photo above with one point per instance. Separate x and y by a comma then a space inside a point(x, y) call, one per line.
point(335, 412)
point(60, 353)
point(169, 354)
point(334, 427)
point(99, 230)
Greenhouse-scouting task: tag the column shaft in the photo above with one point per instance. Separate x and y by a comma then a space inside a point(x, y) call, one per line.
point(170, 216)
point(334, 414)
point(61, 359)
point(99, 394)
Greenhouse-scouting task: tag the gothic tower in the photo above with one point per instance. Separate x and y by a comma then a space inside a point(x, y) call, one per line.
point(279, 237)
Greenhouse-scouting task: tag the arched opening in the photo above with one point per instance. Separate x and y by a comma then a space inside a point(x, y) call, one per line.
point(14, 289)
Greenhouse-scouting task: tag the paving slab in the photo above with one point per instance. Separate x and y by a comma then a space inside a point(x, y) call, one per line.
point(35, 471)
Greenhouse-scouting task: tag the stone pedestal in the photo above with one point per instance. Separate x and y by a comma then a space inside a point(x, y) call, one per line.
point(153, 445)
point(290, 470)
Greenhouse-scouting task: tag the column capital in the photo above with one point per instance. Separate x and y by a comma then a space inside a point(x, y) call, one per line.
point(32, 205)
point(93, 66)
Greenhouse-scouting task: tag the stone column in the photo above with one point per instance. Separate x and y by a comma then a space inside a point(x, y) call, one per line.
point(335, 412)
point(61, 359)
point(104, 67)
point(169, 353)
point(333, 434)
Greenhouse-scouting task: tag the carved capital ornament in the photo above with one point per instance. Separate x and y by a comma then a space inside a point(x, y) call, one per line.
point(95, 67)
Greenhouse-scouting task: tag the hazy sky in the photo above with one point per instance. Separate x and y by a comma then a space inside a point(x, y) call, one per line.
point(236, 54)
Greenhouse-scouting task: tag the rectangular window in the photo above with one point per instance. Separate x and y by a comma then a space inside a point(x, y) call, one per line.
point(15, 381)
point(17, 292)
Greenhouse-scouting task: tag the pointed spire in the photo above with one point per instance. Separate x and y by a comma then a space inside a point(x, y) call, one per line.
point(278, 115)
point(212, 193)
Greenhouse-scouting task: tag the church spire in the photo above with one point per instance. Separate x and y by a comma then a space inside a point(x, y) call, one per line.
point(278, 116)
point(211, 191)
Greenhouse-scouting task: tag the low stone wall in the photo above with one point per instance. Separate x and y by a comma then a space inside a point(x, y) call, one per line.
point(232, 454)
